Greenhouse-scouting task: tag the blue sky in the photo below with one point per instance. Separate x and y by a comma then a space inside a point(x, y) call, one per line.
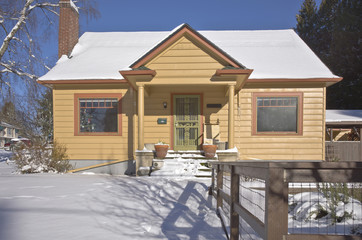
point(131, 15)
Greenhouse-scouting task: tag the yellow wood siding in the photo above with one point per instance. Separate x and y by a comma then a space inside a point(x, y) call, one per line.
point(92, 147)
point(154, 109)
point(308, 146)
point(183, 62)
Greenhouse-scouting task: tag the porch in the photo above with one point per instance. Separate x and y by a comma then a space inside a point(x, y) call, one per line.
point(179, 113)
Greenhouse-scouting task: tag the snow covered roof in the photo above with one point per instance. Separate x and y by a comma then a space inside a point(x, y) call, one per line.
point(344, 116)
point(271, 53)
point(4, 124)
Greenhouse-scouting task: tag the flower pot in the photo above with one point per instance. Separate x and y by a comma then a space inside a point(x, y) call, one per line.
point(161, 151)
point(209, 150)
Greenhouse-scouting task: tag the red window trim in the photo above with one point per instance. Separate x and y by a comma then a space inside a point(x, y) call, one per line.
point(77, 96)
point(299, 95)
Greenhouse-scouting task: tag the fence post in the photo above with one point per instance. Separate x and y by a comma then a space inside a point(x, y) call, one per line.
point(234, 194)
point(212, 187)
point(219, 183)
point(276, 204)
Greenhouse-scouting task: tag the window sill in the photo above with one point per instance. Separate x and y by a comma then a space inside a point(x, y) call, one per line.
point(279, 134)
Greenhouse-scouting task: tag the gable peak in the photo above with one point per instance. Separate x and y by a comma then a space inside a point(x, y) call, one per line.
point(185, 30)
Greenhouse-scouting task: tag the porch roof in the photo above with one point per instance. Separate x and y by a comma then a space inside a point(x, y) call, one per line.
point(273, 54)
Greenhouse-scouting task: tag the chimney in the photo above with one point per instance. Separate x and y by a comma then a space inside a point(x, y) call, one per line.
point(68, 27)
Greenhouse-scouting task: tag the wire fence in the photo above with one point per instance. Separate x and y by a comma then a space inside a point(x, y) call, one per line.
point(325, 208)
point(283, 200)
point(251, 197)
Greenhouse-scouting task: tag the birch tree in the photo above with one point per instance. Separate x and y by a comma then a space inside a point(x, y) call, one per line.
point(24, 26)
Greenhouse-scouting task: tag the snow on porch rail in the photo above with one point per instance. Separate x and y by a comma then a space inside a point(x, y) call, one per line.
point(269, 216)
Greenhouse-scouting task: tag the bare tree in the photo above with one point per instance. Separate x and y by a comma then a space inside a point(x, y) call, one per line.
point(24, 26)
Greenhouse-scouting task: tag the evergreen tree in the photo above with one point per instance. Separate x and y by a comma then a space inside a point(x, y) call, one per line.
point(307, 19)
point(44, 117)
point(333, 32)
point(8, 113)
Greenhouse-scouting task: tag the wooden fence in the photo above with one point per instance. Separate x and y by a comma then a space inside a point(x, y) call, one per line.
point(277, 178)
point(344, 151)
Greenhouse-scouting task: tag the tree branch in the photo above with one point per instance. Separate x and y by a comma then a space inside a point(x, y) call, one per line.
point(9, 68)
point(21, 21)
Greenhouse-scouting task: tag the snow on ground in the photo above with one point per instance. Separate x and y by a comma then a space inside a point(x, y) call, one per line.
point(84, 206)
point(6, 165)
point(93, 206)
point(5, 155)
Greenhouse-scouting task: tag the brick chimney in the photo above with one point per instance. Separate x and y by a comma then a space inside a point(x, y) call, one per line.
point(68, 27)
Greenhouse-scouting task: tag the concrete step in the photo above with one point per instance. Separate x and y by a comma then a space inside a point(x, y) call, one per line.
point(203, 174)
point(182, 167)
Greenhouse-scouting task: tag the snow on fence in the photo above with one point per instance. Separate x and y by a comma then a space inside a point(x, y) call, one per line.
point(292, 201)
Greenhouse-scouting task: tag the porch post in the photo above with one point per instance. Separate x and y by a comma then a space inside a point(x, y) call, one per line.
point(231, 117)
point(141, 107)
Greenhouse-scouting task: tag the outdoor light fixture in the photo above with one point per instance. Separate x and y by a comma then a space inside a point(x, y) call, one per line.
point(165, 105)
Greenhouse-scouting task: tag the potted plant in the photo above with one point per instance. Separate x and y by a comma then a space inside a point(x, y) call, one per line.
point(161, 149)
point(209, 150)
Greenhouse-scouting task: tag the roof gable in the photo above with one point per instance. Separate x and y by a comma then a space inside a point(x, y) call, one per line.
point(185, 31)
point(183, 59)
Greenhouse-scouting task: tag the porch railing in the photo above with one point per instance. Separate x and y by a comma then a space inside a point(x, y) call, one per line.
point(283, 200)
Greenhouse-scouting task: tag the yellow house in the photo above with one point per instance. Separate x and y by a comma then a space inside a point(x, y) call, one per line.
point(260, 93)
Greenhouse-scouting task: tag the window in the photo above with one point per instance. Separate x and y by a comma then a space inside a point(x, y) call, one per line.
point(277, 113)
point(97, 114)
point(9, 132)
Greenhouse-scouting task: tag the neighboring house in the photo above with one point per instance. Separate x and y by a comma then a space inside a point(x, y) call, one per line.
point(343, 125)
point(343, 135)
point(262, 92)
point(7, 132)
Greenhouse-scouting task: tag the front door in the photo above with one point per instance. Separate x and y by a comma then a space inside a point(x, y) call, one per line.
point(186, 122)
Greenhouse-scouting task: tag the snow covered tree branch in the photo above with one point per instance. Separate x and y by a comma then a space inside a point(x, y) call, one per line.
point(25, 25)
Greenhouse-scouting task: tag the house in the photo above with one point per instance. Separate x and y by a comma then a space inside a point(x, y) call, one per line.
point(343, 125)
point(7, 132)
point(260, 92)
point(343, 135)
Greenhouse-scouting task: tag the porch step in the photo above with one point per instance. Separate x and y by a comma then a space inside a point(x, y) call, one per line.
point(183, 164)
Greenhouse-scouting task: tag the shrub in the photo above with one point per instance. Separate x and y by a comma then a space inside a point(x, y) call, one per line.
point(336, 194)
point(40, 157)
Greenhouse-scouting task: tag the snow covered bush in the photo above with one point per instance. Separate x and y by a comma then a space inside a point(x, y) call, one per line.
point(40, 157)
point(337, 194)
point(318, 212)
point(328, 204)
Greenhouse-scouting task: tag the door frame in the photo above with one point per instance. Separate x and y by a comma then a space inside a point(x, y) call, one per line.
point(201, 116)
